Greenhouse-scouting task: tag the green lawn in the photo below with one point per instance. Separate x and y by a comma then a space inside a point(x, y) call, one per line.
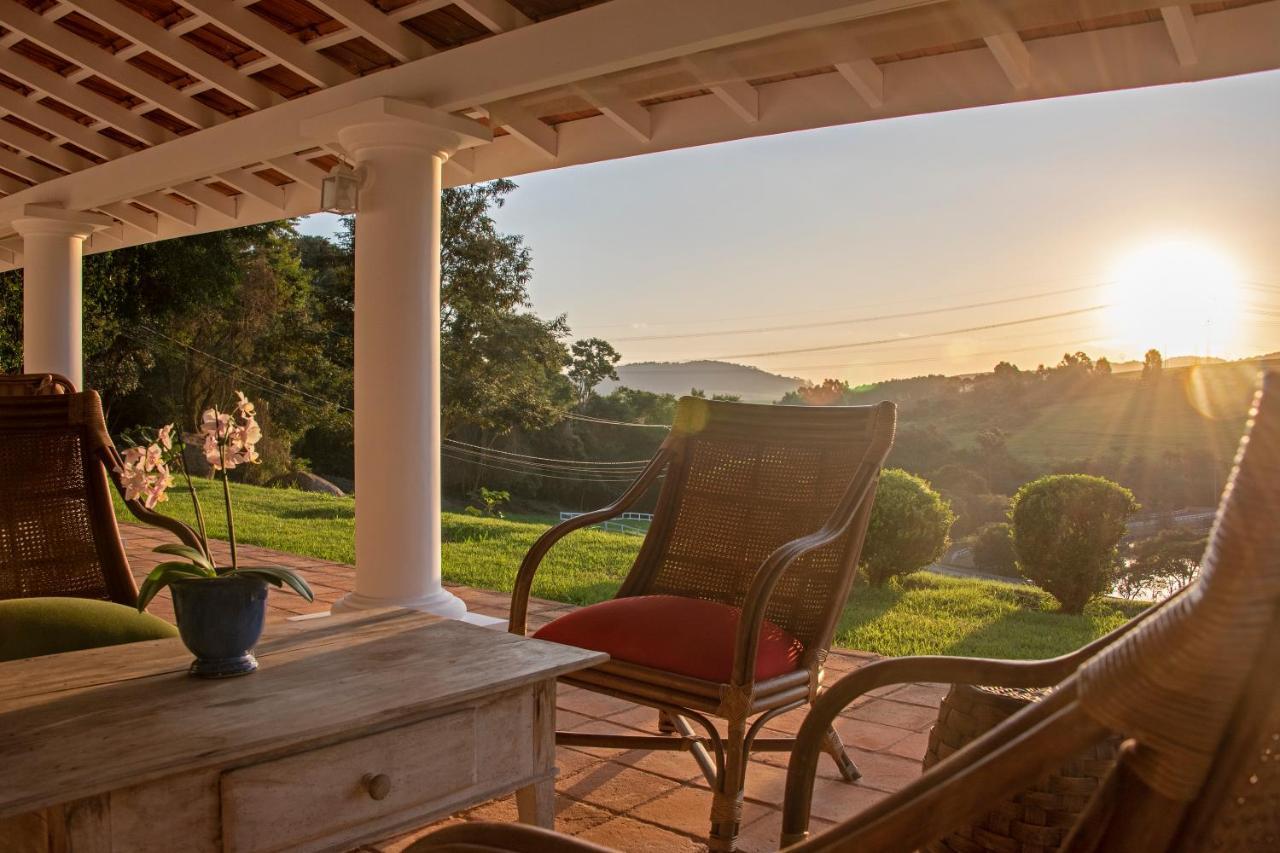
point(924, 614)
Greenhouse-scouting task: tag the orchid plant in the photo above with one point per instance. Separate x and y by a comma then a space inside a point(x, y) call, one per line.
point(146, 473)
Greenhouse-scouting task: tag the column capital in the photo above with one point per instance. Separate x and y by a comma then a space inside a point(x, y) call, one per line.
point(396, 123)
point(49, 220)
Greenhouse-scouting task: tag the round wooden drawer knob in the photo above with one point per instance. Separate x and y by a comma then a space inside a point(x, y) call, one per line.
point(378, 785)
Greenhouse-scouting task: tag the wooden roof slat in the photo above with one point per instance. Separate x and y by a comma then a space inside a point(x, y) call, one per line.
point(176, 50)
point(272, 41)
point(53, 37)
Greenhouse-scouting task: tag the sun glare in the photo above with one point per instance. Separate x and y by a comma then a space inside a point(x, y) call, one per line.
point(1180, 297)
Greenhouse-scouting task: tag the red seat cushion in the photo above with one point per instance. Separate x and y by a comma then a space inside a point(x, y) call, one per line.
point(687, 636)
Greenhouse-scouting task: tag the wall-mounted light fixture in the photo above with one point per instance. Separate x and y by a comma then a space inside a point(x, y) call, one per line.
point(340, 190)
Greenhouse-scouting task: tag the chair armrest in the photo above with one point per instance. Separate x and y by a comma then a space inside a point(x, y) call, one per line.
point(529, 565)
point(500, 838)
point(937, 669)
point(111, 460)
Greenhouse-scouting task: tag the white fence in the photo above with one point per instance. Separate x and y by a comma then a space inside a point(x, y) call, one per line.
point(616, 526)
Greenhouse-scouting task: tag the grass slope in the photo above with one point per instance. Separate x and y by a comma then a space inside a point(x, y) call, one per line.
point(923, 614)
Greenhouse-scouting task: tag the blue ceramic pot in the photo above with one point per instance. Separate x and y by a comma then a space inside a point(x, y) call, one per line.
point(220, 620)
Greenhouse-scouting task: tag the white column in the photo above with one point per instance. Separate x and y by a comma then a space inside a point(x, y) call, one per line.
point(52, 248)
point(399, 149)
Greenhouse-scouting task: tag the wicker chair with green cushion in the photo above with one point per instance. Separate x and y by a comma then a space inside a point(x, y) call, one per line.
point(58, 534)
point(729, 608)
point(1192, 687)
point(32, 627)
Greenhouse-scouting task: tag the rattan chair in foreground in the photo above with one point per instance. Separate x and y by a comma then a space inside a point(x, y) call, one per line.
point(58, 534)
point(1193, 688)
point(730, 606)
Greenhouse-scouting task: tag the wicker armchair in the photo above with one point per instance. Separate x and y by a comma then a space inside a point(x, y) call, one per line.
point(1192, 686)
point(730, 606)
point(58, 534)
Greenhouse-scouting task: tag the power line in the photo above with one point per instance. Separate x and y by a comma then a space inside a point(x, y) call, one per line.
point(855, 320)
point(1004, 351)
point(855, 344)
point(633, 462)
point(446, 452)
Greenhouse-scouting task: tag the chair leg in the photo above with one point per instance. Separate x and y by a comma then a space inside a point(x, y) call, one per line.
point(834, 747)
point(726, 803)
point(665, 725)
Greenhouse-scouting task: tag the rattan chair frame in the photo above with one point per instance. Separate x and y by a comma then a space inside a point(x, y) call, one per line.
point(47, 402)
point(1192, 684)
point(683, 702)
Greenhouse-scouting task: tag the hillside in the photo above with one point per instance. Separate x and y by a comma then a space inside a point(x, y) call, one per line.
point(752, 384)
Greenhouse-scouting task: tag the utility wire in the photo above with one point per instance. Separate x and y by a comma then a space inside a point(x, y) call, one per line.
point(918, 337)
point(828, 323)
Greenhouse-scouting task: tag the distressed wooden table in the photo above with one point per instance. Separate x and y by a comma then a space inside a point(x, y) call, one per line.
point(355, 728)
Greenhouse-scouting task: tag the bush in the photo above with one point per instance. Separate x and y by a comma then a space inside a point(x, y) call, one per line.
point(908, 530)
point(973, 511)
point(993, 550)
point(1065, 531)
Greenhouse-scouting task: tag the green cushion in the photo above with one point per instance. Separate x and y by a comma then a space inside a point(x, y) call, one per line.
point(30, 627)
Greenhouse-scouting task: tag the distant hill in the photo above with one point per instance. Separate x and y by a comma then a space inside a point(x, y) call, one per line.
point(752, 384)
point(1175, 361)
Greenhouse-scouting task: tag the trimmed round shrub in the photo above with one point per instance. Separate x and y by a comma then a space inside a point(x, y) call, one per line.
point(908, 529)
point(1065, 531)
point(993, 550)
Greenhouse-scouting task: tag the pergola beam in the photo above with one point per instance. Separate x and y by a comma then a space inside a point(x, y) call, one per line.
point(300, 169)
point(275, 43)
point(621, 110)
point(170, 208)
point(1180, 22)
point(44, 81)
point(174, 49)
point(497, 16)
point(207, 197)
point(259, 188)
point(26, 168)
point(115, 68)
point(59, 125)
point(127, 213)
point(526, 127)
point(365, 20)
point(737, 94)
point(1013, 57)
point(42, 148)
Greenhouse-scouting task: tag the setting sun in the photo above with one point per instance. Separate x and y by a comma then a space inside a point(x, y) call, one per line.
point(1178, 296)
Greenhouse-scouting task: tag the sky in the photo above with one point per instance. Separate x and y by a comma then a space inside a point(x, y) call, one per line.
point(1127, 220)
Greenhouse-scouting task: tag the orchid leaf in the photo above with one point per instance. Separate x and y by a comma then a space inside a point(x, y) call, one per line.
point(163, 575)
point(277, 576)
point(184, 551)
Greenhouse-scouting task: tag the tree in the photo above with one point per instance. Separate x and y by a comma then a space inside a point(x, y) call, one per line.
point(1152, 365)
point(993, 550)
point(591, 362)
point(1102, 367)
point(1168, 560)
point(1065, 531)
point(908, 529)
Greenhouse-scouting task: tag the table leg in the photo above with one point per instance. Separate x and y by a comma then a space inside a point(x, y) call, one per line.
point(536, 804)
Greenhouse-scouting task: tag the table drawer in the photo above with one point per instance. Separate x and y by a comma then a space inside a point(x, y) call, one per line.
point(315, 799)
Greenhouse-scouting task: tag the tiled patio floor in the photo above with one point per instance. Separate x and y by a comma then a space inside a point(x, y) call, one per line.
point(655, 801)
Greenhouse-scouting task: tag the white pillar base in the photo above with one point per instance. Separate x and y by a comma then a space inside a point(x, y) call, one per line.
point(440, 603)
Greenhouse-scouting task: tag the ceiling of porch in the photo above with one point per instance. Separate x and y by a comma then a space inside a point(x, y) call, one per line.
point(182, 116)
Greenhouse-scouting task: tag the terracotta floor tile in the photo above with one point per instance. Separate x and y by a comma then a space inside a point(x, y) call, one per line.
point(928, 695)
point(688, 810)
point(867, 734)
point(900, 714)
point(913, 746)
point(679, 766)
point(838, 801)
point(762, 834)
point(616, 787)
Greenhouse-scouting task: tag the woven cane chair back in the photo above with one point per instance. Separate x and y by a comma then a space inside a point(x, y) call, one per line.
point(745, 479)
point(58, 534)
